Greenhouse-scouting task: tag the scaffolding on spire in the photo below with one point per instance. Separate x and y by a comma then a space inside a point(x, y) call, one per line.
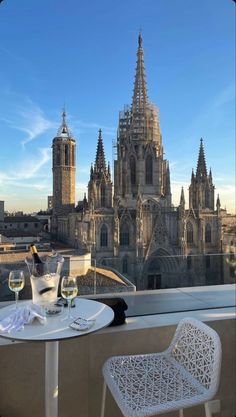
point(140, 97)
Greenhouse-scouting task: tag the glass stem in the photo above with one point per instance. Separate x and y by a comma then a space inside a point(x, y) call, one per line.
point(69, 309)
point(16, 298)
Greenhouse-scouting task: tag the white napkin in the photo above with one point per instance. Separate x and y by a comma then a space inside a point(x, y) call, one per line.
point(21, 316)
point(82, 324)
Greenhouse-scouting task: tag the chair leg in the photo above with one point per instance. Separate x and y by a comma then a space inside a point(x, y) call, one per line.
point(181, 413)
point(103, 398)
point(207, 410)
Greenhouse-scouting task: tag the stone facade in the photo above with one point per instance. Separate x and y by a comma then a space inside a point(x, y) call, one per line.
point(63, 169)
point(134, 227)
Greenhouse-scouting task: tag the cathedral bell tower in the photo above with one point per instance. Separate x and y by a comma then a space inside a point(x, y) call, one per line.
point(63, 168)
point(201, 190)
point(100, 185)
point(140, 166)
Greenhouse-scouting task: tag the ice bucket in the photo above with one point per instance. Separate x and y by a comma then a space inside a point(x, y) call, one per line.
point(45, 286)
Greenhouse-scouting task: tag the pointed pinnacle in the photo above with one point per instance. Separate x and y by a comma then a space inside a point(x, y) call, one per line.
point(100, 162)
point(63, 115)
point(201, 164)
point(140, 97)
point(140, 39)
point(182, 198)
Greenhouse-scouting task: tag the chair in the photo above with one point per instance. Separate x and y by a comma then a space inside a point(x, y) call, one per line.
point(185, 374)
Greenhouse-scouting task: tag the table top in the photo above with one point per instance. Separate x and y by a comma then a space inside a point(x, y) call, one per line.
point(55, 329)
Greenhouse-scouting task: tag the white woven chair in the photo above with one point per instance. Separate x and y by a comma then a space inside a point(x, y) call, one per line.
point(184, 375)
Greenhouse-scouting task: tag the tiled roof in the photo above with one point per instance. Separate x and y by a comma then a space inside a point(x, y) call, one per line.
point(21, 219)
point(17, 233)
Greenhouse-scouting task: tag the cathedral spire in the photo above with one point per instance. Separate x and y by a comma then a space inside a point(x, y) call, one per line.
point(100, 185)
point(182, 198)
point(201, 164)
point(109, 170)
point(140, 97)
point(100, 162)
point(218, 205)
point(63, 130)
point(201, 190)
point(167, 187)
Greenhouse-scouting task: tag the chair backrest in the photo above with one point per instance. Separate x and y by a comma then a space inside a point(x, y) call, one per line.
point(197, 348)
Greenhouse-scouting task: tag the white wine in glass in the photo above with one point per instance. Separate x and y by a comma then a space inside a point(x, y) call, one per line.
point(69, 291)
point(16, 283)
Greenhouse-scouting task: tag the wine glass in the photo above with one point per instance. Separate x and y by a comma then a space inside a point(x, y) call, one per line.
point(69, 290)
point(16, 283)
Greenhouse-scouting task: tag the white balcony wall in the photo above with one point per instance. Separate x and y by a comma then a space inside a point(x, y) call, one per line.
point(81, 360)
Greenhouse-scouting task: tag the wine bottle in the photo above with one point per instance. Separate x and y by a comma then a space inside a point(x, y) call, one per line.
point(38, 271)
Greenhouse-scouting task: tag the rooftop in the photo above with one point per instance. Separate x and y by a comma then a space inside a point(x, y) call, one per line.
point(17, 219)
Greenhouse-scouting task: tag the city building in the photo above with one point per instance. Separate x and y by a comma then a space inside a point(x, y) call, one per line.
point(132, 225)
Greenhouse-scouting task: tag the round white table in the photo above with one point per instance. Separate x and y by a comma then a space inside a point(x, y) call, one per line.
point(51, 333)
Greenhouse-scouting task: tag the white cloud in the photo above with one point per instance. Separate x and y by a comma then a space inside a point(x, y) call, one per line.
point(33, 122)
point(34, 165)
point(83, 126)
point(29, 119)
point(224, 96)
point(30, 169)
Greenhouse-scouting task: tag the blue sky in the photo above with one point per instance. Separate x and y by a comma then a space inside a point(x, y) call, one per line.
point(83, 54)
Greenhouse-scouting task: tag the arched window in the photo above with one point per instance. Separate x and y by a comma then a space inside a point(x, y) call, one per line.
point(208, 233)
point(189, 232)
point(133, 170)
point(103, 196)
point(58, 155)
point(124, 235)
point(125, 265)
point(207, 197)
point(148, 169)
point(73, 156)
point(103, 236)
point(66, 154)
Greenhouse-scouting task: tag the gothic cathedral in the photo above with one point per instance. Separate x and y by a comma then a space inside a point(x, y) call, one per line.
point(132, 225)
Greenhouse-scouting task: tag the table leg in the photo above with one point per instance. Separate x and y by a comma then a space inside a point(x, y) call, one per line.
point(51, 379)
